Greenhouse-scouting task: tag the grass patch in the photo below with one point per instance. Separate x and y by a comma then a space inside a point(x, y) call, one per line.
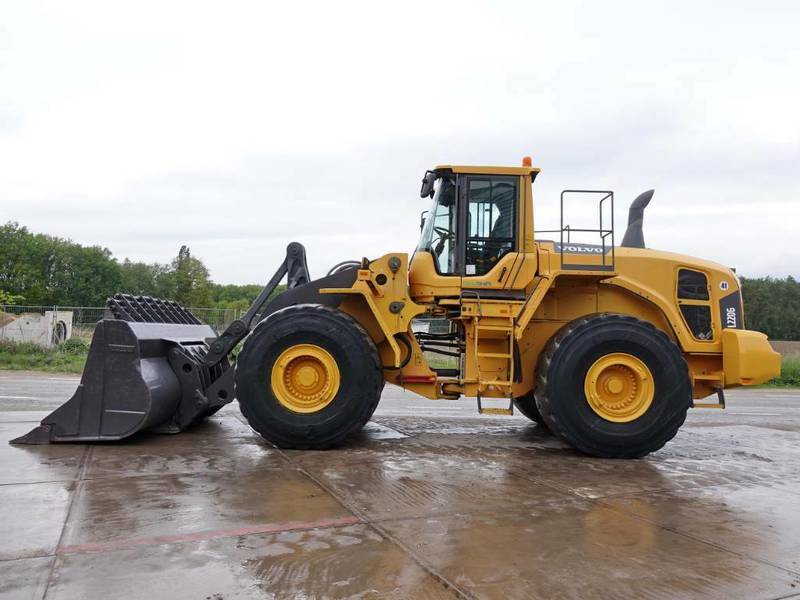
point(438, 361)
point(790, 372)
point(67, 358)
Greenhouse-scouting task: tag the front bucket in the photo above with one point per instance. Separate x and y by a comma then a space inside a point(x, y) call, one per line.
point(140, 375)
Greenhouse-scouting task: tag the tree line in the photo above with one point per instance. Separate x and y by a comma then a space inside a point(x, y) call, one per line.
point(772, 305)
point(38, 269)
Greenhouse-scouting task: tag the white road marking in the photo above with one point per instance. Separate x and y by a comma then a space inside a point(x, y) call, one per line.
point(752, 414)
point(22, 398)
point(16, 379)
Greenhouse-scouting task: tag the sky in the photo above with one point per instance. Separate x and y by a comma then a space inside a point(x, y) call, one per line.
point(238, 127)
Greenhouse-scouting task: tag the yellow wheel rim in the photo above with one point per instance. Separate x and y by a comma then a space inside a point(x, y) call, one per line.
point(619, 387)
point(305, 378)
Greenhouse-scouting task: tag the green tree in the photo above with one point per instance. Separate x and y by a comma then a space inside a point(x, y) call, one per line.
point(192, 286)
point(137, 278)
point(51, 270)
point(41, 269)
point(238, 297)
point(6, 298)
point(772, 306)
point(21, 272)
point(142, 279)
point(81, 276)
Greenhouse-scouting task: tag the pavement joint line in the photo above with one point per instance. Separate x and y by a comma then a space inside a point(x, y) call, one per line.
point(449, 585)
point(406, 433)
point(53, 575)
point(96, 547)
point(36, 482)
point(30, 557)
point(696, 538)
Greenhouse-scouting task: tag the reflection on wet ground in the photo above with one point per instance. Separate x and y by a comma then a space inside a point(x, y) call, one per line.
point(417, 506)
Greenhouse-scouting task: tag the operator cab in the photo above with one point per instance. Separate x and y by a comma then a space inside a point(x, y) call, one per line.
point(472, 235)
point(487, 223)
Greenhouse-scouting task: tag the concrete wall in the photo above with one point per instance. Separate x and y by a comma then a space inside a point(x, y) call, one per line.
point(47, 330)
point(786, 348)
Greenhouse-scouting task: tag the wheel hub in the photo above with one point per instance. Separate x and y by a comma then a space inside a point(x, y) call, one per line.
point(619, 387)
point(305, 378)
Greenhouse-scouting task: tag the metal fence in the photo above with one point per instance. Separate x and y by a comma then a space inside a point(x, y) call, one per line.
point(84, 318)
point(81, 320)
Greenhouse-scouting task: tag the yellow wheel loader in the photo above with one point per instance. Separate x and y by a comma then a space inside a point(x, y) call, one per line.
point(607, 346)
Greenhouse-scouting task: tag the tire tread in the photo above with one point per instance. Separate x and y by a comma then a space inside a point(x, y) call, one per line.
point(365, 411)
point(544, 400)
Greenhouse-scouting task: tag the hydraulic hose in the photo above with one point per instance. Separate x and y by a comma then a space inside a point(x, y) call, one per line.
point(343, 265)
point(402, 339)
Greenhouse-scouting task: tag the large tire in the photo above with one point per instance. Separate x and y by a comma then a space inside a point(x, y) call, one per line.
point(527, 406)
point(561, 377)
point(359, 372)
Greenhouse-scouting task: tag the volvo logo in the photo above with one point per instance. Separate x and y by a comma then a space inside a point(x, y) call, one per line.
point(580, 249)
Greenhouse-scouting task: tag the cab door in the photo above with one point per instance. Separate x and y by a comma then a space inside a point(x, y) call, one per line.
point(491, 229)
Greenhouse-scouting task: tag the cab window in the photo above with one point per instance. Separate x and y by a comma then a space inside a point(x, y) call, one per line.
point(439, 232)
point(491, 222)
point(695, 306)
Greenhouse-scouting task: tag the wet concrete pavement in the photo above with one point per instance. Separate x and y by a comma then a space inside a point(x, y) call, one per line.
point(430, 502)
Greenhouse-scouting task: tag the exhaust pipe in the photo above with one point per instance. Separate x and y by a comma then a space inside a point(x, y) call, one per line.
point(634, 236)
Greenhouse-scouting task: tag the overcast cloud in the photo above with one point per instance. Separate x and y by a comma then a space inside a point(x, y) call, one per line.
point(238, 127)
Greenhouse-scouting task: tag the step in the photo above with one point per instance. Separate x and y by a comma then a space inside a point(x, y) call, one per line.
point(720, 403)
point(490, 410)
point(494, 355)
point(496, 411)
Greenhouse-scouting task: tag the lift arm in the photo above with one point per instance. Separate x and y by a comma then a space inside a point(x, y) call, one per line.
point(295, 268)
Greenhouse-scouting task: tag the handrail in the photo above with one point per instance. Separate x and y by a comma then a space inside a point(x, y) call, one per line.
point(608, 196)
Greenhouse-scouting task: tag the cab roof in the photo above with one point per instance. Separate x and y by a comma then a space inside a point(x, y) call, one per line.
point(478, 170)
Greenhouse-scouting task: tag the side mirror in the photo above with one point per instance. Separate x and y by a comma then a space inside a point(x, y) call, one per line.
point(427, 184)
point(422, 219)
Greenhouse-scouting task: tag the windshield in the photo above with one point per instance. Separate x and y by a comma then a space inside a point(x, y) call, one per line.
point(438, 235)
